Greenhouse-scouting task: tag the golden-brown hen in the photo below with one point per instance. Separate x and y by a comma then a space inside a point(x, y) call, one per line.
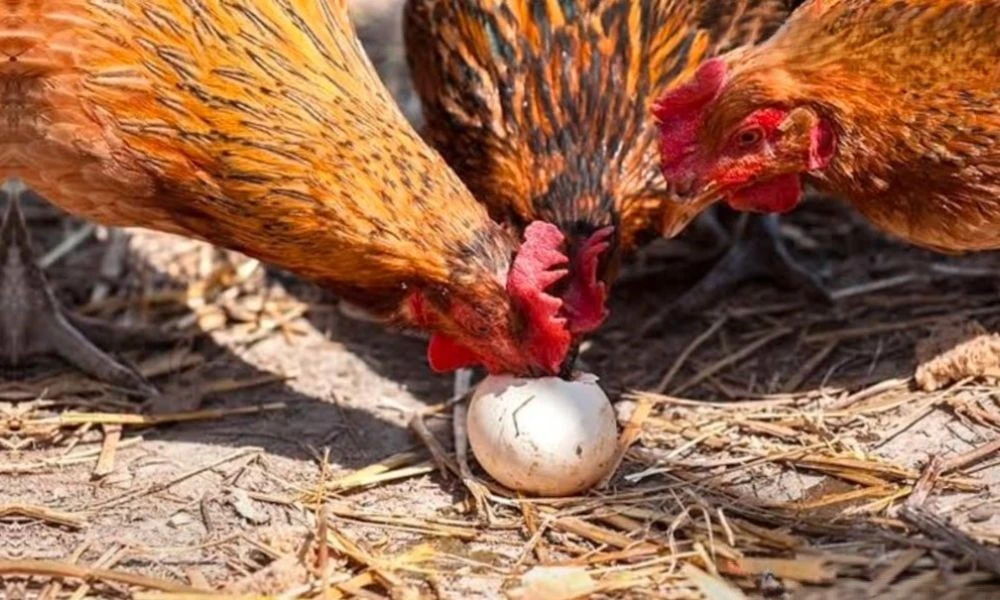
point(262, 127)
point(542, 108)
point(894, 106)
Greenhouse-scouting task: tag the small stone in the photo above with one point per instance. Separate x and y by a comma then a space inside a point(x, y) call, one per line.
point(180, 520)
point(770, 586)
point(982, 513)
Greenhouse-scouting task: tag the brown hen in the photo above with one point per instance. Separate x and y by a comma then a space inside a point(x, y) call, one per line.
point(542, 108)
point(262, 127)
point(894, 106)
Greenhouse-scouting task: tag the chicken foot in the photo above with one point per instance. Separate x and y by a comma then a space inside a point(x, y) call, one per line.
point(757, 252)
point(478, 491)
point(460, 416)
point(33, 323)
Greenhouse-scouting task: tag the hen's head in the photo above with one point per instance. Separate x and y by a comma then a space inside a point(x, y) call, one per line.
point(531, 325)
point(734, 139)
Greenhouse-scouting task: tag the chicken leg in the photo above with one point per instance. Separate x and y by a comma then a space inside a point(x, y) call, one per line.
point(32, 322)
point(757, 252)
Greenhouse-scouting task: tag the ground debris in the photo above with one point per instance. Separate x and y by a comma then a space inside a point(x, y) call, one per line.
point(955, 352)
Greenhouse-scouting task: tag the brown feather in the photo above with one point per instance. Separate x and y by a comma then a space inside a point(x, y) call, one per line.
point(257, 126)
point(541, 106)
point(263, 127)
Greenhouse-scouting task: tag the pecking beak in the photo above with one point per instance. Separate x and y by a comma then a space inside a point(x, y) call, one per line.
point(693, 194)
point(569, 363)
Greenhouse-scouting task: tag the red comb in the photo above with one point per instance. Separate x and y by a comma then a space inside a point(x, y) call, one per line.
point(679, 112)
point(586, 297)
point(531, 273)
point(704, 87)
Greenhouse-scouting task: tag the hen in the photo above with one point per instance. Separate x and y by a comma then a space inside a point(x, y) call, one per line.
point(260, 127)
point(894, 106)
point(542, 108)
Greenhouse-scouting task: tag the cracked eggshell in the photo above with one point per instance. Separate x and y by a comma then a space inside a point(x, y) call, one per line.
point(543, 436)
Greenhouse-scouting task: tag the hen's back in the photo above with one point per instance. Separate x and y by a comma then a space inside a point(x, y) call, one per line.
point(258, 126)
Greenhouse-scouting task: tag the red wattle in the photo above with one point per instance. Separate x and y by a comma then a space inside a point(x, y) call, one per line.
point(446, 355)
point(778, 195)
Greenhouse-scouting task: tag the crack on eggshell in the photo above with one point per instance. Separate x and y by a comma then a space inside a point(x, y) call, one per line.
point(517, 428)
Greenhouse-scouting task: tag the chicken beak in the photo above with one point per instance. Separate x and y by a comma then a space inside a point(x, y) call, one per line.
point(693, 196)
point(569, 363)
point(706, 196)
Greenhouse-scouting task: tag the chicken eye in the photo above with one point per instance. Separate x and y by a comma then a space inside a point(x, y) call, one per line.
point(749, 137)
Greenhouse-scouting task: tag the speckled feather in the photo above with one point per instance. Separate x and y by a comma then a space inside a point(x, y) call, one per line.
point(260, 126)
point(913, 87)
point(541, 106)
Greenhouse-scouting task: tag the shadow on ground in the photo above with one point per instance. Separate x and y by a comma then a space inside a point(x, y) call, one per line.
point(336, 366)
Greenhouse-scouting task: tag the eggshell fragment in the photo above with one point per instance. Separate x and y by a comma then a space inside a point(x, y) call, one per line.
point(544, 436)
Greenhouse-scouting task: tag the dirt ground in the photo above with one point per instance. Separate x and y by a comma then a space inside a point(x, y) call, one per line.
point(785, 446)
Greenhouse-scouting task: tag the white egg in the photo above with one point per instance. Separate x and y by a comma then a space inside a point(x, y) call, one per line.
point(544, 436)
